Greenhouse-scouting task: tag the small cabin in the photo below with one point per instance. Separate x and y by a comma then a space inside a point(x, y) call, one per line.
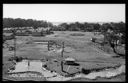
point(70, 61)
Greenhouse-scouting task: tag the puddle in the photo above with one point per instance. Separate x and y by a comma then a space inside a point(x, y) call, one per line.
point(36, 66)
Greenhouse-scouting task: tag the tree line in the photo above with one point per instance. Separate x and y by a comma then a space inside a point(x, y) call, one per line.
point(76, 26)
point(90, 27)
point(18, 22)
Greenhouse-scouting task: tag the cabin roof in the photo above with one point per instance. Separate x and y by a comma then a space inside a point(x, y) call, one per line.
point(69, 59)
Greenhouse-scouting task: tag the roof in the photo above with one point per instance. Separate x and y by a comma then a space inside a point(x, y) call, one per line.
point(70, 59)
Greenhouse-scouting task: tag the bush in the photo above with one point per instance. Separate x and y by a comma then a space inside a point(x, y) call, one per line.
point(17, 59)
point(93, 39)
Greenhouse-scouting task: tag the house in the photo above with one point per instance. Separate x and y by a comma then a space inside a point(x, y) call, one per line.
point(45, 29)
point(39, 29)
point(70, 66)
point(31, 29)
point(18, 31)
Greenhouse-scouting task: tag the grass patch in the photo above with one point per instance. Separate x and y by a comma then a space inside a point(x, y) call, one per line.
point(77, 34)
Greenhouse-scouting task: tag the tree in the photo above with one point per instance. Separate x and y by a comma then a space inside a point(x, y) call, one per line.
point(63, 26)
point(112, 40)
point(111, 33)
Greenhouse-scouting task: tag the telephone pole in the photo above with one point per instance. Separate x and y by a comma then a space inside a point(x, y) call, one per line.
point(14, 46)
point(62, 57)
point(62, 52)
point(14, 34)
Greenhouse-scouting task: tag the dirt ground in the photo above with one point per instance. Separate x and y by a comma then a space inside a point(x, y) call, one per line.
point(77, 47)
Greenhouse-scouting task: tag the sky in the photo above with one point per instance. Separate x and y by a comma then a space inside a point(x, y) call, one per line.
point(66, 12)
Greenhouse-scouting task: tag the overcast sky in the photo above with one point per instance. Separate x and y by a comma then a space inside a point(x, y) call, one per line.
point(66, 12)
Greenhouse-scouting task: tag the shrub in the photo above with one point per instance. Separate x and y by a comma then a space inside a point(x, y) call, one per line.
point(17, 59)
point(93, 39)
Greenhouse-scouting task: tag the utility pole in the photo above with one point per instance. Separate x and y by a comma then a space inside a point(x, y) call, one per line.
point(14, 34)
point(62, 57)
point(15, 46)
point(62, 68)
point(62, 52)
